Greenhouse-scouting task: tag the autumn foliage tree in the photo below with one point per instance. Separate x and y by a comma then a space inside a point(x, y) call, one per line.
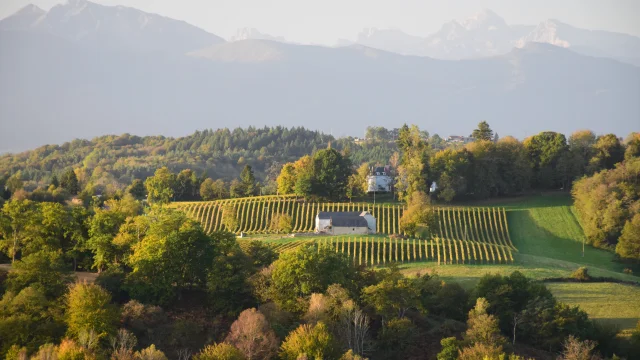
point(629, 242)
point(89, 308)
point(414, 164)
point(419, 219)
point(253, 336)
point(606, 201)
point(160, 186)
point(313, 342)
point(219, 351)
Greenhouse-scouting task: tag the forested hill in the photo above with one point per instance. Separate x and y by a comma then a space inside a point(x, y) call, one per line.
point(114, 161)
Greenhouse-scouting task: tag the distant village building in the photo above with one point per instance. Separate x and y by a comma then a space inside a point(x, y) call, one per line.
point(345, 223)
point(380, 180)
point(456, 139)
point(433, 187)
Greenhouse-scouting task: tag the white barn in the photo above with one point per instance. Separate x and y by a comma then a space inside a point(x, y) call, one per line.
point(345, 223)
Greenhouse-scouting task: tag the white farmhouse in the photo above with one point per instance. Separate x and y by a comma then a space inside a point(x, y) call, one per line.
point(379, 180)
point(345, 223)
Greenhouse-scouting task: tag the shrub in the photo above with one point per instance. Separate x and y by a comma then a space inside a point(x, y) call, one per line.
point(45, 352)
point(582, 274)
point(150, 353)
point(70, 350)
point(314, 342)
point(449, 350)
point(16, 352)
point(349, 355)
point(221, 351)
point(282, 223)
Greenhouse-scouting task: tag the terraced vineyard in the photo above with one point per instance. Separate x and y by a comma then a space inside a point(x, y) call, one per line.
point(464, 235)
point(372, 251)
point(471, 233)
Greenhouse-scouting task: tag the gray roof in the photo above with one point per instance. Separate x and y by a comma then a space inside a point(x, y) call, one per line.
point(349, 221)
point(325, 215)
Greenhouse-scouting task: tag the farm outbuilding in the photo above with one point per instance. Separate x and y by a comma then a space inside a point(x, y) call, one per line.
point(345, 223)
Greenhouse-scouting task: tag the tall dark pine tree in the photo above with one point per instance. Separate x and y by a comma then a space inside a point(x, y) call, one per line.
point(137, 189)
point(69, 182)
point(483, 132)
point(54, 181)
point(248, 180)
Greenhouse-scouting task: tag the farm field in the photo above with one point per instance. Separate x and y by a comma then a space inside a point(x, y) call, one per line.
point(464, 235)
point(548, 239)
point(381, 250)
point(255, 213)
point(532, 266)
point(609, 303)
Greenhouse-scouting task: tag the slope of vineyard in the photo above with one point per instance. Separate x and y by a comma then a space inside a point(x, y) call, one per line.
point(373, 251)
point(254, 214)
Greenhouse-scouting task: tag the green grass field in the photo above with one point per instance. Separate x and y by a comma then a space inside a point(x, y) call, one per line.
point(615, 304)
point(548, 236)
point(549, 239)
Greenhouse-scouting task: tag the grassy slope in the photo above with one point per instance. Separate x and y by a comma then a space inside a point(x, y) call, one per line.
point(615, 304)
point(549, 239)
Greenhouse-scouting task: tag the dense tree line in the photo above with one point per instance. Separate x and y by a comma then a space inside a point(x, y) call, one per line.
point(608, 205)
point(165, 289)
point(490, 167)
point(487, 167)
point(107, 164)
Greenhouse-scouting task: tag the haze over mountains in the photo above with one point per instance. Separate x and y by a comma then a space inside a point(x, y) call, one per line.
point(83, 70)
point(487, 34)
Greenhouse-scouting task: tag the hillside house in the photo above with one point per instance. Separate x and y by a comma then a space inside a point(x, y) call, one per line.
point(345, 223)
point(456, 139)
point(380, 180)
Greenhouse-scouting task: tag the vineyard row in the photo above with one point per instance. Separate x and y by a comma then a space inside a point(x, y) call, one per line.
point(485, 225)
point(369, 251)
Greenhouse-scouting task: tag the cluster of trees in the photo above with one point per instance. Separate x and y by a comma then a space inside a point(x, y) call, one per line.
point(608, 205)
point(165, 186)
point(323, 175)
point(108, 164)
point(167, 290)
point(489, 167)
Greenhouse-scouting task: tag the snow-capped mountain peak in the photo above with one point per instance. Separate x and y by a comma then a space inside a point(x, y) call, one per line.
point(485, 20)
point(113, 27)
point(23, 18)
point(248, 33)
point(545, 32)
point(32, 9)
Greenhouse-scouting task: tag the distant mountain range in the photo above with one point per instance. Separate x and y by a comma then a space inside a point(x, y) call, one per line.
point(487, 34)
point(254, 34)
point(83, 70)
point(114, 28)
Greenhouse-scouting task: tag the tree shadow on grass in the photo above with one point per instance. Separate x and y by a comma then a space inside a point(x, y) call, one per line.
point(531, 238)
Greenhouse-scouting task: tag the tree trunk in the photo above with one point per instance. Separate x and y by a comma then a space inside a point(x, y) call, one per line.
point(15, 246)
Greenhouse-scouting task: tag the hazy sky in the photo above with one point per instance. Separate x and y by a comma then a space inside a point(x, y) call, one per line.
point(325, 21)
